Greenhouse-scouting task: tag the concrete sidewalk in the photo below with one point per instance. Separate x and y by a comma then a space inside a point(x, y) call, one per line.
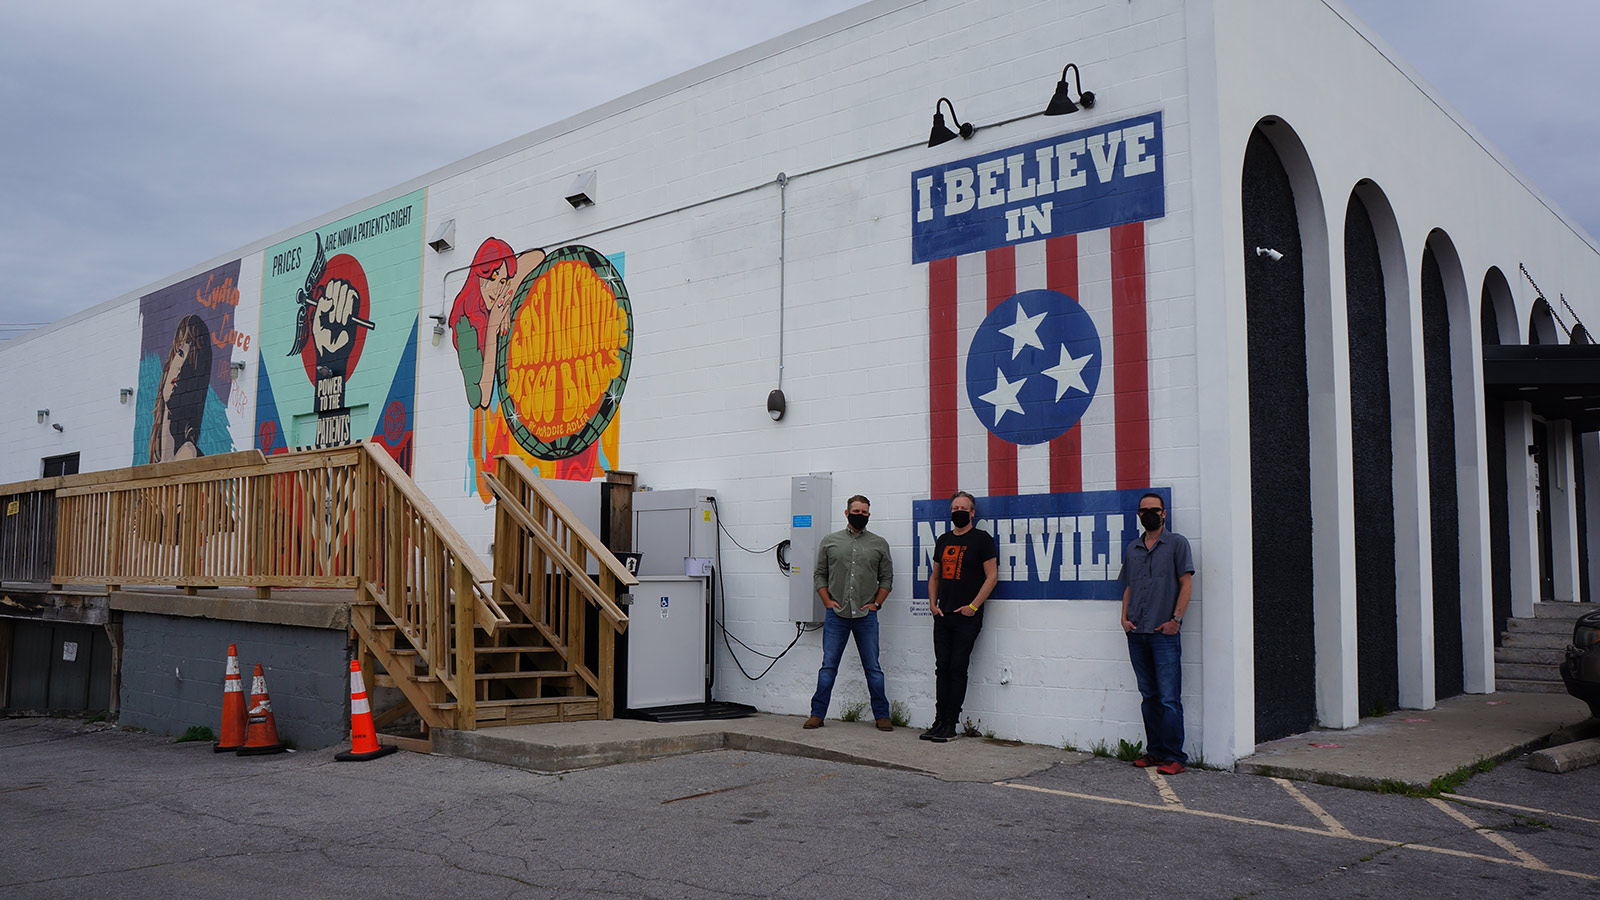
point(1413, 747)
point(1410, 747)
point(566, 746)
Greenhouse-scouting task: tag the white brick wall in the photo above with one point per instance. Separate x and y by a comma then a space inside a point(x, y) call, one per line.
point(686, 191)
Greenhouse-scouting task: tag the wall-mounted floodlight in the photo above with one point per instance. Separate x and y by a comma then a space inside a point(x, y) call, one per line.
point(582, 192)
point(1269, 253)
point(941, 132)
point(438, 328)
point(43, 414)
point(776, 404)
point(236, 369)
point(125, 395)
point(57, 427)
point(444, 237)
point(1061, 103)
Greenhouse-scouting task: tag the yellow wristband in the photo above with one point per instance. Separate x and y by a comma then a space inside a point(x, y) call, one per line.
point(971, 607)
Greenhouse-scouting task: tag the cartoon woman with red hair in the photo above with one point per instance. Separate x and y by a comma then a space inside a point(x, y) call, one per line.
point(480, 316)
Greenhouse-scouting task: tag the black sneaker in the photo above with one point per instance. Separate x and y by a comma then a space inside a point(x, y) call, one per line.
point(932, 730)
point(945, 734)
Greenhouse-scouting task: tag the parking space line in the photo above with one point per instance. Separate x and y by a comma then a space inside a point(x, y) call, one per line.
point(1304, 829)
point(1527, 809)
point(1489, 834)
point(1334, 826)
point(1168, 795)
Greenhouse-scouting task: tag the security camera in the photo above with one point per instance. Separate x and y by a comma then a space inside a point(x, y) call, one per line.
point(1269, 253)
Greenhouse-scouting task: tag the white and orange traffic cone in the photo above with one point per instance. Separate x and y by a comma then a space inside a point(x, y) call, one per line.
point(363, 734)
point(261, 731)
point(233, 715)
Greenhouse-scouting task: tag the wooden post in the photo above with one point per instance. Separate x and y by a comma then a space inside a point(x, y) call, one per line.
point(619, 506)
point(466, 659)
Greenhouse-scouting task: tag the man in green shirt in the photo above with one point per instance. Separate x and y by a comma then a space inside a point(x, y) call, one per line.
point(852, 576)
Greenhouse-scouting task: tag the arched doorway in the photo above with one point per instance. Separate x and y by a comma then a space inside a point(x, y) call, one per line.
point(1280, 446)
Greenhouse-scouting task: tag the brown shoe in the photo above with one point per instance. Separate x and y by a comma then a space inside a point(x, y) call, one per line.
point(813, 722)
point(884, 725)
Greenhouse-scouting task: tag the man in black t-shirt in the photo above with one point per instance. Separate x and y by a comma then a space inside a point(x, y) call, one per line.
point(964, 574)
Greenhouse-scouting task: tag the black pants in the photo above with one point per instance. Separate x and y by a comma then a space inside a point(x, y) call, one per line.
point(953, 637)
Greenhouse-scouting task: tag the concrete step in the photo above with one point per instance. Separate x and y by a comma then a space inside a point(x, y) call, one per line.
point(1536, 639)
point(1529, 687)
point(1527, 672)
point(1541, 656)
point(1541, 625)
point(1558, 610)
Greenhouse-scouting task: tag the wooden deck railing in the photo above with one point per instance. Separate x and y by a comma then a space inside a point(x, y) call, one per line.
point(28, 530)
point(559, 575)
point(426, 607)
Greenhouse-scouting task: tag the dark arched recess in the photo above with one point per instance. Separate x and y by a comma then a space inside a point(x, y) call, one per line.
point(1372, 453)
point(1443, 504)
point(1280, 449)
point(1494, 418)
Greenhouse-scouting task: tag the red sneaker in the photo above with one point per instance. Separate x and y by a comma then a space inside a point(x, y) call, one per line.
point(1146, 761)
point(1171, 767)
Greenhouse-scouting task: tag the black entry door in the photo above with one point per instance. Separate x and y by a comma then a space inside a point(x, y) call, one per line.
point(1541, 465)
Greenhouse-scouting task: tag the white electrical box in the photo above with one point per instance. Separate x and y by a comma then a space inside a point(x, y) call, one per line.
point(811, 508)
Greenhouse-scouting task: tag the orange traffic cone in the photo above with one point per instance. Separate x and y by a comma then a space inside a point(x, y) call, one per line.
point(233, 716)
point(363, 735)
point(261, 733)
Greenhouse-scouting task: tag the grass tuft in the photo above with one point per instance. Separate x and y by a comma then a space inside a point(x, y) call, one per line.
point(1129, 752)
point(851, 712)
point(195, 733)
point(899, 716)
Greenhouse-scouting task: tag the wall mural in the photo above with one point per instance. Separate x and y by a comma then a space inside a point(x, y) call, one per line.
point(339, 311)
point(545, 342)
point(185, 351)
point(1039, 352)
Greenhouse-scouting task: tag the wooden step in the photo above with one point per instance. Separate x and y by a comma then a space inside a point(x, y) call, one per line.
point(479, 651)
point(504, 676)
point(522, 702)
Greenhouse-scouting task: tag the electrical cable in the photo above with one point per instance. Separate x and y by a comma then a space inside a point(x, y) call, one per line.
point(721, 619)
point(781, 547)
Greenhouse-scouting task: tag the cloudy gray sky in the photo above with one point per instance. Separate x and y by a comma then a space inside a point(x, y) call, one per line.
point(139, 139)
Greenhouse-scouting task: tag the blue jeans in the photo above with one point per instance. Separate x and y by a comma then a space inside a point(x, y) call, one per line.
point(1156, 664)
point(837, 629)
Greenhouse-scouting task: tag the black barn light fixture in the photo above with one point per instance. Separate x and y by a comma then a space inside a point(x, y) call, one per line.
point(1061, 104)
point(941, 132)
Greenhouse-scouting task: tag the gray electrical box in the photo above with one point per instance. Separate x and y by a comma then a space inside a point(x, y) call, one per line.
point(811, 508)
point(673, 531)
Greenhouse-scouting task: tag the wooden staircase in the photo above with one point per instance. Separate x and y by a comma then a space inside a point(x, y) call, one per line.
point(1530, 652)
point(530, 638)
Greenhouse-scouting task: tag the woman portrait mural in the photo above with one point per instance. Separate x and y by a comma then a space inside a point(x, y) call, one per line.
point(181, 398)
point(545, 343)
point(187, 344)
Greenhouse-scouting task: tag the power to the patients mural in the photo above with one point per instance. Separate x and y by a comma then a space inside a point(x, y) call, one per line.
point(186, 349)
point(545, 342)
point(339, 310)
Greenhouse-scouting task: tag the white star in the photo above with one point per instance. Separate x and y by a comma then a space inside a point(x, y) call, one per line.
point(1069, 372)
point(1024, 332)
point(1004, 396)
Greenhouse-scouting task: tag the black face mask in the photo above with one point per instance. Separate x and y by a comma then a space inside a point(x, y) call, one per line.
point(960, 518)
point(1150, 519)
point(858, 521)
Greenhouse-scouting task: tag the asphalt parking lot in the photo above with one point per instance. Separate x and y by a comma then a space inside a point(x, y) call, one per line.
point(91, 811)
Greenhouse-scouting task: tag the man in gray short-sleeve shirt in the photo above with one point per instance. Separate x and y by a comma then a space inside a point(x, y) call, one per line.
point(1157, 570)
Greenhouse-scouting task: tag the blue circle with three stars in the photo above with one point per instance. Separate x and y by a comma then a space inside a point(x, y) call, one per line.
point(1033, 367)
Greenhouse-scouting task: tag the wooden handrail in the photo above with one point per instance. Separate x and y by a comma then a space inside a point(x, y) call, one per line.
point(512, 506)
point(447, 532)
point(591, 541)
